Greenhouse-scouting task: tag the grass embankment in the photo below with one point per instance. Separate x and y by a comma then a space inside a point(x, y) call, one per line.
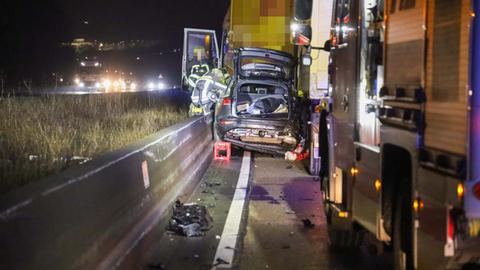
point(40, 136)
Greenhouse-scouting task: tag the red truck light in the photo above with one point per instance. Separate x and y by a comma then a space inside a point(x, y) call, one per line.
point(476, 190)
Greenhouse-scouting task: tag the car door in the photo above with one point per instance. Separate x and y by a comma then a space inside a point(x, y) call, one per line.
point(200, 55)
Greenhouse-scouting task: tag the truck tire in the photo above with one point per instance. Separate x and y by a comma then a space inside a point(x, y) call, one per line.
point(345, 236)
point(402, 230)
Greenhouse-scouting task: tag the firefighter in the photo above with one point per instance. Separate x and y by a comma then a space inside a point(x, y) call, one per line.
point(196, 72)
point(208, 88)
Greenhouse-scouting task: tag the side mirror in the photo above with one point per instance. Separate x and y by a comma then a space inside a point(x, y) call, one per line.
point(306, 60)
point(327, 46)
point(302, 10)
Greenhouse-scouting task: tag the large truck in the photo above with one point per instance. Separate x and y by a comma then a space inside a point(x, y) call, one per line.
point(88, 73)
point(403, 128)
point(391, 116)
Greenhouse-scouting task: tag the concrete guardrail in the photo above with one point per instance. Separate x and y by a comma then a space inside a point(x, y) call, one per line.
point(89, 216)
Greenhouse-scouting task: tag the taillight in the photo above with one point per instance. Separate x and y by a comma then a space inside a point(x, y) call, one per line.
point(449, 249)
point(227, 101)
point(476, 190)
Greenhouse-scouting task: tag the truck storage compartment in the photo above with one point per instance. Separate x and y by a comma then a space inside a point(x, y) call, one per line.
point(447, 75)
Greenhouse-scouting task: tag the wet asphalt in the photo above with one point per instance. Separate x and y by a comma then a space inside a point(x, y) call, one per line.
point(272, 234)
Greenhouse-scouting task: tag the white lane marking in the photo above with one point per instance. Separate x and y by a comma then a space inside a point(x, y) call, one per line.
point(228, 241)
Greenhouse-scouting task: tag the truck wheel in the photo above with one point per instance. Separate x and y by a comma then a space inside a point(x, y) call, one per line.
point(402, 231)
point(343, 234)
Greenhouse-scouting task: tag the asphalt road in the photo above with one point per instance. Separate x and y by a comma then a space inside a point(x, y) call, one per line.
point(270, 235)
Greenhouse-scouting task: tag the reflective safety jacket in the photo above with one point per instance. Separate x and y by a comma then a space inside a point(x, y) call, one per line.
point(196, 72)
point(209, 88)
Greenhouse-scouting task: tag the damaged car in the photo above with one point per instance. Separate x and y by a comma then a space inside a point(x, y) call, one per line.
point(257, 110)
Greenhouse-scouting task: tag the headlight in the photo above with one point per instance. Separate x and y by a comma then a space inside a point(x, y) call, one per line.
point(76, 80)
point(151, 85)
point(160, 85)
point(82, 64)
point(107, 83)
point(97, 85)
point(81, 84)
point(133, 86)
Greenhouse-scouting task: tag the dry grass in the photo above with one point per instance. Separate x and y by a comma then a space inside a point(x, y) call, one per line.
point(40, 136)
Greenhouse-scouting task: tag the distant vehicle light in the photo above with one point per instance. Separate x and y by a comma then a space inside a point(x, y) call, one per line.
point(97, 85)
point(82, 64)
point(76, 80)
point(160, 85)
point(151, 85)
point(107, 83)
point(81, 84)
point(133, 86)
point(97, 64)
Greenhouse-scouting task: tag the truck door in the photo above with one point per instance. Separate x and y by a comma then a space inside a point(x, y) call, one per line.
point(200, 55)
point(343, 75)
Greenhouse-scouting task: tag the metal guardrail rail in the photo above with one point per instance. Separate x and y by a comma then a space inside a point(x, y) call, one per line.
point(89, 216)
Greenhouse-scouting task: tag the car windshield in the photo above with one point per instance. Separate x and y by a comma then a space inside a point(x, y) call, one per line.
point(261, 100)
point(257, 67)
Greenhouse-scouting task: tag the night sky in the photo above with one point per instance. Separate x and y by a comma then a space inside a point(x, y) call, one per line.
point(32, 30)
point(141, 19)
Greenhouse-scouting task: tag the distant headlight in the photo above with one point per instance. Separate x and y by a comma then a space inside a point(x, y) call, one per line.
point(97, 85)
point(82, 64)
point(76, 80)
point(133, 86)
point(151, 85)
point(81, 84)
point(97, 64)
point(107, 83)
point(160, 85)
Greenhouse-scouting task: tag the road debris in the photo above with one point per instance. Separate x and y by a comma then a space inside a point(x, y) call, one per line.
point(212, 183)
point(220, 261)
point(190, 219)
point(156, 266)
point(307, 223)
